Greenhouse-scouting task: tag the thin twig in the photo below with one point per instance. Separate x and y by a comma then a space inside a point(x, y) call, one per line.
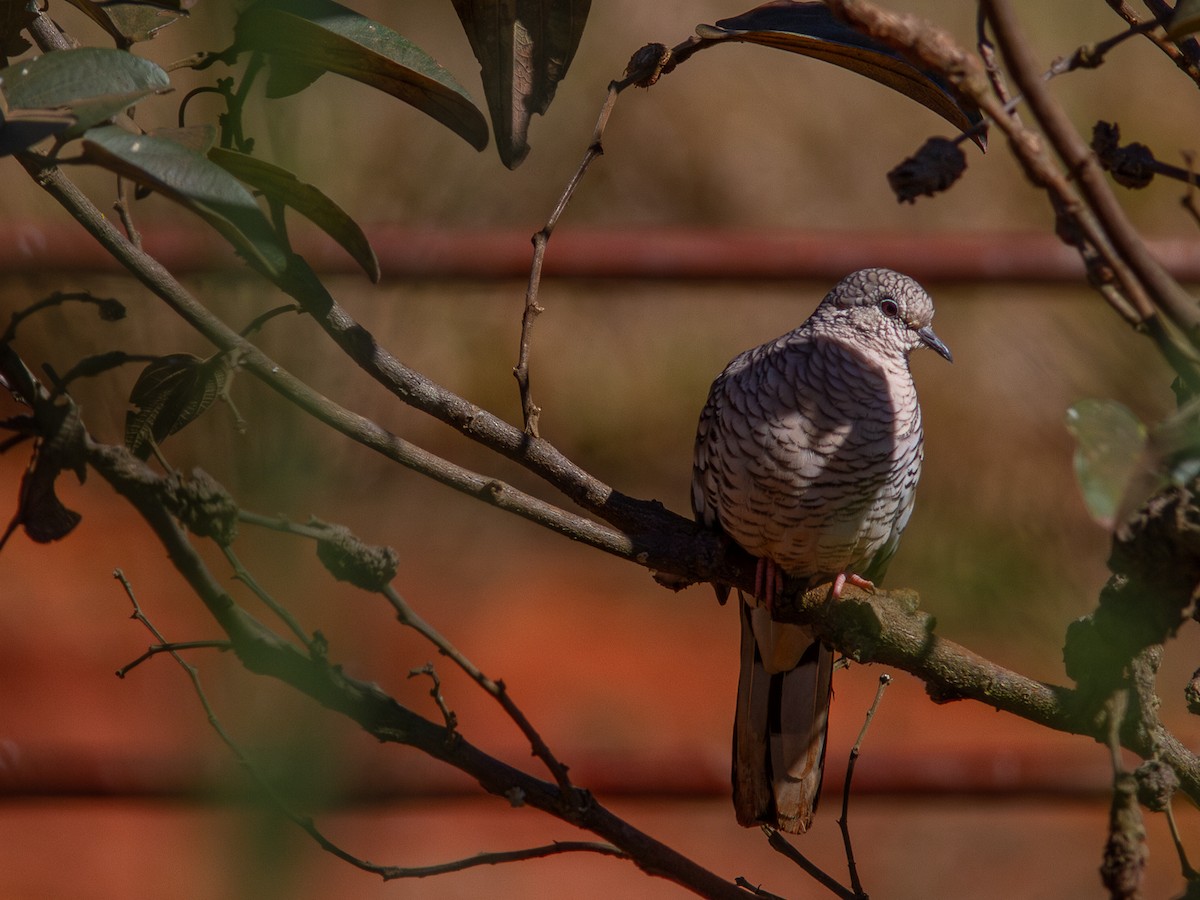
point(1091, 56)
point(259, 321)
point(435, 691)
point(644, 70)
point(242, 574)
point(595, 148)
point(283, 524)
point(1189, 873)
point(492, 859)
point(110, 309)
point(987, 53)
point(408, 616)
point(92, 366)
point(780, 845)
point(173, 647)
point(844, 819)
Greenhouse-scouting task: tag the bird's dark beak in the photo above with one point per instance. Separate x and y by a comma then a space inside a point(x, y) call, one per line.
point(933, 342)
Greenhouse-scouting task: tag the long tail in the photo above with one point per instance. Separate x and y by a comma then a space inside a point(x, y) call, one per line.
point(779, 730)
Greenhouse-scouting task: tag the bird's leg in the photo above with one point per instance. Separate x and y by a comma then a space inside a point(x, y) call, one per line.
point(844, 578)
point(768, 582)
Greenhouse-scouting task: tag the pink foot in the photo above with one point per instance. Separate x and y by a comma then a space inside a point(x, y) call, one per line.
point(845, 578)
point(768, 582)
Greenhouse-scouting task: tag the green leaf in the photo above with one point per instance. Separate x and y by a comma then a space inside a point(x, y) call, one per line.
point(318, 36)
point(130, 21)
point(197, 183)
point(811, 29)
point(282, 186)
point(198, 138)
point(170, 393)
point(1184, 20)
point(94, 83)
point(1109, 442)
point(524, 49)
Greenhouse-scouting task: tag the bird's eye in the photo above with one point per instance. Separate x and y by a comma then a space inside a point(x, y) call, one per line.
point(889, 307)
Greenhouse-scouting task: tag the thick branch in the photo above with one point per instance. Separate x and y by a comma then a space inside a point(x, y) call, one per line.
point(889, 629)
point(648, 533)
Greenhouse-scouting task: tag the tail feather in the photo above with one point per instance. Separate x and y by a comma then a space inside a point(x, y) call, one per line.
point(779, 731)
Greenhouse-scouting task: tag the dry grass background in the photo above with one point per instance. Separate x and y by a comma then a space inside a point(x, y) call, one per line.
point(634, 684)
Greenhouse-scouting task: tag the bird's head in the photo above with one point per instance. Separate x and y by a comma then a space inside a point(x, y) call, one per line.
point(885, 310)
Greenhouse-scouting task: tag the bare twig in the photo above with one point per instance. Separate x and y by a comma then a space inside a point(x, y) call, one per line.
point(408, 616)
point(110, 309)
point(173, 647)
point(1189, 873)
point(242, 574)
point(987, 53)
point(844, 819)
point(780, 845)
point(284, 524)
point(1091, 56)
point(595, 148)
point(448, 715)
point(645, 68)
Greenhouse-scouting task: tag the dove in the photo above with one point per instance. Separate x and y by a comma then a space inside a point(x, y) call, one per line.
point(807, 456)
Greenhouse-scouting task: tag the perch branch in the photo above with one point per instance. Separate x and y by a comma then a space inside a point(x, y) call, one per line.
point(640, 531)
point(886, 627)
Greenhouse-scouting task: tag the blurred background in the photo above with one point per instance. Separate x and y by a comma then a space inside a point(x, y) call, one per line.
point(115, 787)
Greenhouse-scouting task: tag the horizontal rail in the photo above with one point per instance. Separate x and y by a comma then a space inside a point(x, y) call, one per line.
point(1082, 772)
point(641, 253)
